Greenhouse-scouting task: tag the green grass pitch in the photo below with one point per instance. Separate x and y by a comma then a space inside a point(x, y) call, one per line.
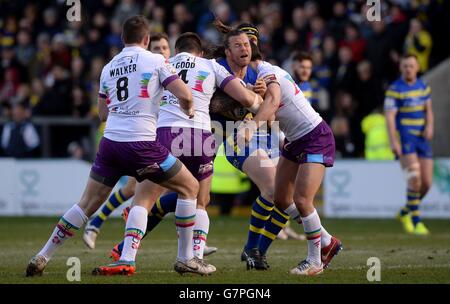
point(404, 258)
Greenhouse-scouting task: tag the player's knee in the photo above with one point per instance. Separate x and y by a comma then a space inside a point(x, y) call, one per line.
point(413, 176)
point(129, 189)
point(281, 203)
point(190, 189)
point(302, 201)
point(267, 189)
point(268, 194)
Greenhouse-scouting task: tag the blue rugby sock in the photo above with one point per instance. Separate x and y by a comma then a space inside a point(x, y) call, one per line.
point(261, 210)
point(115, 200)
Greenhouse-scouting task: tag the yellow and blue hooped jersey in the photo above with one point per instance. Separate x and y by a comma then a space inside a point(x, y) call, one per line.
point(308, 90)
point(409, 101)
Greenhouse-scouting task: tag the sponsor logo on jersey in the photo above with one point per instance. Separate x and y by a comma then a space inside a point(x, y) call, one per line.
point(199, 81)
point(145, 79)
point(120, 110)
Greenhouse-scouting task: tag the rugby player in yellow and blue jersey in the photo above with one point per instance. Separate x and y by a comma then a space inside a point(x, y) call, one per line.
point(409, 119)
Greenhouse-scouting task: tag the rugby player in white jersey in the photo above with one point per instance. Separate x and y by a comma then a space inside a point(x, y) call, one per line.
point(191, 140)
point(308, 148)
point(159, 44)
point(131, 85)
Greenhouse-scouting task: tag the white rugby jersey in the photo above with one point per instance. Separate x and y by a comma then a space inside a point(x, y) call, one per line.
point(295, 114)
point(203, 77)
point(132, 84)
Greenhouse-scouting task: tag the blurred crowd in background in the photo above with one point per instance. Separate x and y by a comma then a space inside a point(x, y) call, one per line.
point(51, 67)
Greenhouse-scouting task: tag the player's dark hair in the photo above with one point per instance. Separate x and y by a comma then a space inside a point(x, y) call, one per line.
point(210, 50)
point(256, 54)
point(248, 28)
point(189, 42)
point(158, 36)
point(302, 56)
point(230, 34)
point(134, 29)
point(221, 27)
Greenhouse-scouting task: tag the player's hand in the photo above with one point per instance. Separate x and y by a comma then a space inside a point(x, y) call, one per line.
point(260, 87)
point(428, 133)
point(396, 148)
point(189, 112)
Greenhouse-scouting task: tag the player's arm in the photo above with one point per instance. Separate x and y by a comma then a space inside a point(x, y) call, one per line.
point(234, 87)
point(102, 106)
point(102, 109)
point(429, 121)
point(181, 91)
point(270, 105)
point(245, 97)
point(170, 81)
point(272, 97)
point(265, 114)
point(221, 102)
point(393, 140)
point(390, 112)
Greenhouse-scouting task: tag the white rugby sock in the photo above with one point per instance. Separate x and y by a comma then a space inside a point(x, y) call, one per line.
point(70, 222)
point(134, 232)
point(201, 229)
point(312, 227)
point(184, 221)
point(325, 237)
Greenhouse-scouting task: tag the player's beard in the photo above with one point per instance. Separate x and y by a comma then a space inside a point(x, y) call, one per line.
point(241, 62)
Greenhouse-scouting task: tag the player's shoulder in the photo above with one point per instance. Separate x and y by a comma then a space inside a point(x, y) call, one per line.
point(213, 64)
point(149, 56)
point(422, 84)
point(252, 73)
point(397, 85)
point(221, 60)
point(263, 65)
point(106, 68)
point(270, 72)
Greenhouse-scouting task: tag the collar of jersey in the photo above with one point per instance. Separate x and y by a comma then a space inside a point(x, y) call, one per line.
point(403, 81)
